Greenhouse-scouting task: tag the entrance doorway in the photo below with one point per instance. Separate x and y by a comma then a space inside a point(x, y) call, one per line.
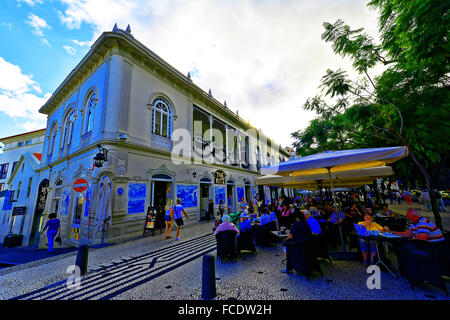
point(248, 197)
point(205, 196)
point(37, 217)
point(231, 198)
point(161, 192)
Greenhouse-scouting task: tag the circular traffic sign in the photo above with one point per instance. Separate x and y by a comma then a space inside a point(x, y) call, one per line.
point(80, 185)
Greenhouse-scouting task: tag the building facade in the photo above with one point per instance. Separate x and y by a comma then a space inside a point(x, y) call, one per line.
point(27, 145)
point(166, 139)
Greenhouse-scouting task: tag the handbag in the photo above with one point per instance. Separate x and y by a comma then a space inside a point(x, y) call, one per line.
point(58, 239)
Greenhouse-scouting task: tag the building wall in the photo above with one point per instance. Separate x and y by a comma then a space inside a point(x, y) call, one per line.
point(12, 153)
point(22, 224)
point(125, 88)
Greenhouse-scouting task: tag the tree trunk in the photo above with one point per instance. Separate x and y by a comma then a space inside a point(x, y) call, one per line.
point(426, 175)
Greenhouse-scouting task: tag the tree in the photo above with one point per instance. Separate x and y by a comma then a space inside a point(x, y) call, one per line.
point(408, 104)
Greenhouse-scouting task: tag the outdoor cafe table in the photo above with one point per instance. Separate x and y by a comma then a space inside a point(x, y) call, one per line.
point(381, 238)
point(280, 235)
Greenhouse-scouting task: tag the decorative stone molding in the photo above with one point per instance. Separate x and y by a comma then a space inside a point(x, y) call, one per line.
point(161, 142)
point(161, 170)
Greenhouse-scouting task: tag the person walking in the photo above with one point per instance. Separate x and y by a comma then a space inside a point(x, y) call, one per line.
point(210, 212)
point(168, 218)
point(54, 227)
point(439, 200)
point(399, 197)
point(391, 197)
point(426, 200)
point(255, 205)
point(221, 208)
point(178, 210)
point(407, 197)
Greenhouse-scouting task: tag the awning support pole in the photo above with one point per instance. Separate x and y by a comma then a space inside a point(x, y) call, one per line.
point(335, 208)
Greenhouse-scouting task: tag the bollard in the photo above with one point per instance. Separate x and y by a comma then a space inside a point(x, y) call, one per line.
point(82, 258)
point(208, 278)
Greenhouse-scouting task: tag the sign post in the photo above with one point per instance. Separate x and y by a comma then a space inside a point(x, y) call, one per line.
point(81, 185)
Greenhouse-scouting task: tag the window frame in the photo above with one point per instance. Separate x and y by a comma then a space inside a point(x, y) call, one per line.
point(91, 103)
point(167, 111)
point(67, 132)
point(4, 174)
point(59, 185)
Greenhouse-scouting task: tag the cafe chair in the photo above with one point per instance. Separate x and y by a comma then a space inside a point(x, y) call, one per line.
point(300, 257)
point(245, 241)
point(226, 245)
point(320, 247)
point(420, 261)
point(262, 234)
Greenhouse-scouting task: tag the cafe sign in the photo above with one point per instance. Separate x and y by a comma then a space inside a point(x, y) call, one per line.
point(219, 177)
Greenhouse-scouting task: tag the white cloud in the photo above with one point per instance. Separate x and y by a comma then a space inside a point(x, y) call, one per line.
point(38, 24)
point(30, 2)
point(20, 96)
point(265, 58)
point(70, 50)
point(82, 43)
point(7, 25)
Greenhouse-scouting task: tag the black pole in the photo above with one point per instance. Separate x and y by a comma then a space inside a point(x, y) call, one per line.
point(82, 258)
point(208, 278)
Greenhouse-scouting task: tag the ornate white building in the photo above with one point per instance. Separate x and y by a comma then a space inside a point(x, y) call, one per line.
point(166, 138)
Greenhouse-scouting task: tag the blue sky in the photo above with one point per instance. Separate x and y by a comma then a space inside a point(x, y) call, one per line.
point(265, 58)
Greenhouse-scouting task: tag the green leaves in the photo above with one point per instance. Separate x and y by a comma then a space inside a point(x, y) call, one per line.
point(409, 103)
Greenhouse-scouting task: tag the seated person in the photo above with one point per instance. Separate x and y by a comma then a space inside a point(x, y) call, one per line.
point(312, 222)
point(368, 245)
point(314, 211)
point(226, 225)
point(273, 217)
point(243, 204)
point(300, 229)
point(264, 219)
point(336, 218)
point(386, 212)
point(352, 214)
point(245, 223)
point(421, 228)
point(327, 211)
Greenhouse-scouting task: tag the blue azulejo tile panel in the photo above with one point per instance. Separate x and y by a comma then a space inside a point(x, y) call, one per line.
point(65, 203)
point(220, 194)
point(240, 193)
point(137, 194)
point(188, 194)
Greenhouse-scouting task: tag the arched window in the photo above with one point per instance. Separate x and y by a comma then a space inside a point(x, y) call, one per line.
point(68, 129)
point(52, 138)
point(57, 197)
point(162, 118)
point(90, 111)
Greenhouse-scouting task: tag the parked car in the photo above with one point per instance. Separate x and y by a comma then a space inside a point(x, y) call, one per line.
point(445, 195)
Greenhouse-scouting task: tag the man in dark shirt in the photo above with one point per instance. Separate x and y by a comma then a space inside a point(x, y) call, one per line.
point(300, 229)
point(327, 211)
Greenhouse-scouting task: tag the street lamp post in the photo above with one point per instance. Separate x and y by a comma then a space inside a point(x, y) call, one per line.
point(83, 250)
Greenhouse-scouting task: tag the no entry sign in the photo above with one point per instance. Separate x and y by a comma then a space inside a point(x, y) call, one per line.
point(80, 185)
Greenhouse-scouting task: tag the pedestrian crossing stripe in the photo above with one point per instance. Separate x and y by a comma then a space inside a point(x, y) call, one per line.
point(127, 274)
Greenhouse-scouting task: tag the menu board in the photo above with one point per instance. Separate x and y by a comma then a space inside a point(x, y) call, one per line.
point(150, 220)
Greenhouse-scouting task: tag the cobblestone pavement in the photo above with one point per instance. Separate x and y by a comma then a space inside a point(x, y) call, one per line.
point(152, 268)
